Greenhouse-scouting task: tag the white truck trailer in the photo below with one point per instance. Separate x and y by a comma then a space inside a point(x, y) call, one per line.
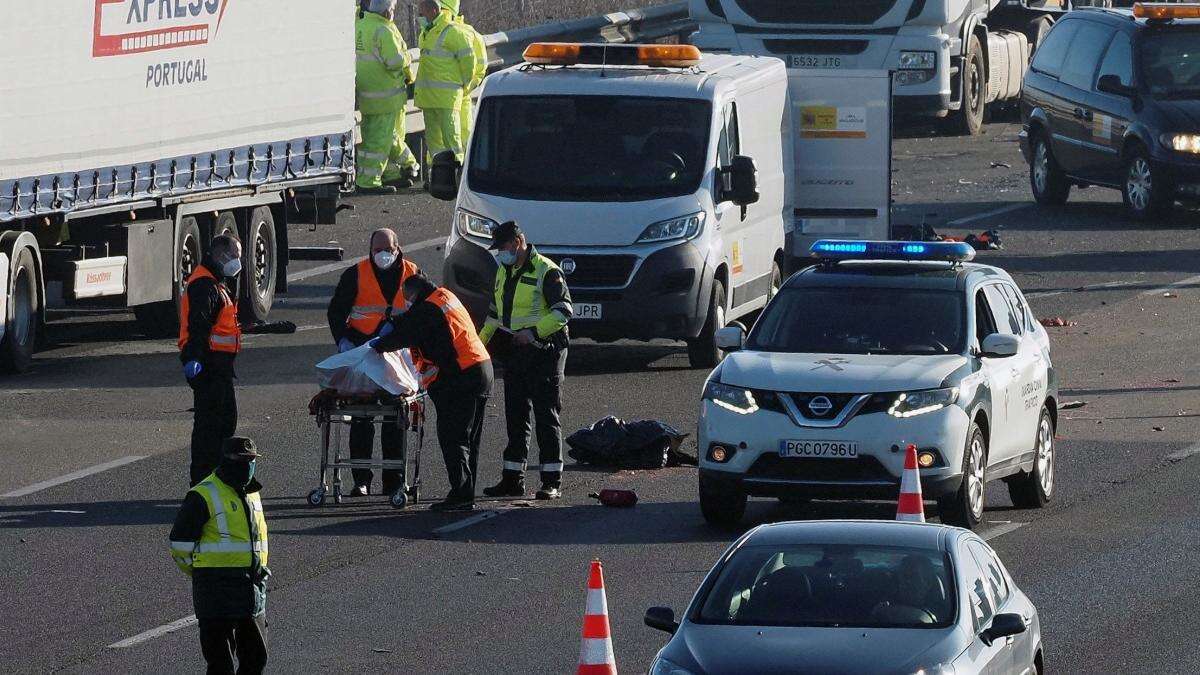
point(132, 131)
point(951, 58)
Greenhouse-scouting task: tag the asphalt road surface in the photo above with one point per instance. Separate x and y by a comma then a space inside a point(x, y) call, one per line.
point(360, 587)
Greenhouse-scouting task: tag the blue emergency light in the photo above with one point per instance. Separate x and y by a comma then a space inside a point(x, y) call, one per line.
point(940, 251)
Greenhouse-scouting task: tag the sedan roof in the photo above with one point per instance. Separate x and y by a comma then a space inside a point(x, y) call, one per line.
point(857, 532)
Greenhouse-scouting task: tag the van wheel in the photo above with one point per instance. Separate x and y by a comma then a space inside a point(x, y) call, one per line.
point(969, 119)
point(1033, 489)
point(964, 507)
point(1146, 192)
point(702, 350)
point(22, 322)
point(260, 261)
point(721, 506)
point(1046, 178)
point(161, 319)
point(776, 281)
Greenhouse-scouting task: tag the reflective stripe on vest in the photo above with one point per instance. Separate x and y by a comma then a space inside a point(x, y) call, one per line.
point(226, 333)
point(439, 80)
point(468, 348)
point(529, 304)
point(370, 308)
point(227, 539)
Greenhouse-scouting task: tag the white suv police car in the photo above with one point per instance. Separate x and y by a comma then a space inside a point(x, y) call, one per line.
point(878, 346)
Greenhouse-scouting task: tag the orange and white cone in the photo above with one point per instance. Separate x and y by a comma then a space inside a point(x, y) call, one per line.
point(912, 506)
point(596, 653)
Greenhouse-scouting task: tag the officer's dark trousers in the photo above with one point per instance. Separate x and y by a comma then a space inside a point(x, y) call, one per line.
point(533, 379)
point(215, 419)
point(461, 403)
point(223, 639)
point(362, 440)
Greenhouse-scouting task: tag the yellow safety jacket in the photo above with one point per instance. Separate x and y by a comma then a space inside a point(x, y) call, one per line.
point(383, 67)
point(228, 539)
point(529, 306)
point(447, 64)
point(480, 51)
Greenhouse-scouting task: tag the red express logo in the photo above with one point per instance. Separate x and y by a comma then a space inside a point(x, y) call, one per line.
point(136, 26)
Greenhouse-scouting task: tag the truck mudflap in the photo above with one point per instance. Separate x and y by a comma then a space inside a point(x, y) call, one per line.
point(256, 165)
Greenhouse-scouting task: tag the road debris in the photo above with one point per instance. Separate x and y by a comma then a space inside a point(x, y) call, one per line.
point(1072, 405)
point(1159, 428)
point(1169, 294)
point(617, 498)
point(1001, 165)
point(1057, 322)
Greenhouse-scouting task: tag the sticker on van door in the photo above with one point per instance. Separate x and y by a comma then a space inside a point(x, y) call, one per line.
point(826, 121)
point(1102, 127)
point(737, 257)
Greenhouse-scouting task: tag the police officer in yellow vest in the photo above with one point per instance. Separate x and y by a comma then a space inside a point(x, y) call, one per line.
point(531, 308)
point(383, 75)
point(220, 541)
point(448, 66)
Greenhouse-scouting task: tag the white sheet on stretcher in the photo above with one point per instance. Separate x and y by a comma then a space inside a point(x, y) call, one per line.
point(363, 372)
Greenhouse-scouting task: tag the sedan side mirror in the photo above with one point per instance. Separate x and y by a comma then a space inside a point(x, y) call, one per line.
point(443, 176)
point(1111, 84)
point(1003, 625)
point(663, 618)
point(999, 346)
point(730, 338)
point(741, 184)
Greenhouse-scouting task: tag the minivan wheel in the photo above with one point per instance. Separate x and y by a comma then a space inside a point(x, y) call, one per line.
point(1146, 192)
point(964, 507)
point(721, 505)
point(1033, 489)
point(702, 349)
point(1049, 183)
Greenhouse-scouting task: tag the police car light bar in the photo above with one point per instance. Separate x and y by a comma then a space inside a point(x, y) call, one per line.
point(941, 251)
point(569, 54)
point(1161, 11)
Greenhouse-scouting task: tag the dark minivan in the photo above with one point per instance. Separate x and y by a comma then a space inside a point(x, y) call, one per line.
point(1112, 98)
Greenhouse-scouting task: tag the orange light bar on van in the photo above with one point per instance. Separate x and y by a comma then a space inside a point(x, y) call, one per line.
point(552, 53)
point(567, 54)
point(1161, 11)
point(677, 56)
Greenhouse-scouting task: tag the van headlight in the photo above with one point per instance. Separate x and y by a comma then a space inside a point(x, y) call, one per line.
point(471, 225)
point(684, 227)
point(737, 399)
point(913, 403)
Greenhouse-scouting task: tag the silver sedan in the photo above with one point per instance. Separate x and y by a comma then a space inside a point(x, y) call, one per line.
point(851, 596)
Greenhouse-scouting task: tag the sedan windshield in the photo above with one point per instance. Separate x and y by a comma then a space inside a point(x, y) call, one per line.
point(1171, 64)
point(833, 586)
point(861, 321)
point(589, 148)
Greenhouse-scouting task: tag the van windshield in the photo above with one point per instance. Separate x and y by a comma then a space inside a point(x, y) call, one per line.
point(1171, 63)
point(589, 148)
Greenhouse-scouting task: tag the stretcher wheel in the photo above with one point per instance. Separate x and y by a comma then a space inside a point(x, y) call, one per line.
point(316, 497)
point(399, 499)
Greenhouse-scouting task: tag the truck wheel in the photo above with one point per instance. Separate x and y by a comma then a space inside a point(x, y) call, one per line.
point(224, 223)
point(1033, 489)
point(702, 350)
point(260, 261)
point(1147, 193)
point(964, 507)
point(721, 506)
point(161, 319)
point(969, 119)
point(1046, 178)
point(20, 335)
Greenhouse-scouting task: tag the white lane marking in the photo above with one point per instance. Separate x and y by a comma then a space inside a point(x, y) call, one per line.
point(1182, 282)
point(1003, 528)
point(1092, 287)
point(1183, 454)
point(155, 632)
point(466, 522)
point(986, 214)
point(74, 475)
point(343, 264)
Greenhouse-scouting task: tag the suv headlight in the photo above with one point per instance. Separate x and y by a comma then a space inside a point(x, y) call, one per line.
point(1189, 143)
point(684, 227)
point(913, 403)
point(471, 225)
point(918, 60)
point(740, 401)
point(662, 666)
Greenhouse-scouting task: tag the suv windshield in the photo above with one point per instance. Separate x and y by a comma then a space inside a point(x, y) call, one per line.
point(834, 586)
point(589, 148)
point(1171, 63)
point(861, 321)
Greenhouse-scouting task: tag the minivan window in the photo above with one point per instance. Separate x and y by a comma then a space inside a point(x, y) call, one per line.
point(1007, 323)
point(1050, 54)
point(1118, 60)
point(1171, 63)
point(1084, 55)
point(589, 148)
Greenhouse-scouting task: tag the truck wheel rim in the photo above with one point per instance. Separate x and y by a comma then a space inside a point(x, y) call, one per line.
point(187, 261)
point(1041, 167)
point(975, 479)
point(973, 90)
point(1138, 184)
point(22, 325)
point(1045, 456)
point(261, 265)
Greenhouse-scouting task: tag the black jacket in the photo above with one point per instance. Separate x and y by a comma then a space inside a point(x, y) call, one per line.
point(204, 304)
point(424, 327)
point(220, 593)
point(347, 290)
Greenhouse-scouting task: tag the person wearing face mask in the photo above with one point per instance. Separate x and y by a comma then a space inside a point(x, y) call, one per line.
point(366, 296)
point(210, 338)
point(220, 540)
point(384, 72)
point(533, 303)
point(448, 66)
point(439, 331)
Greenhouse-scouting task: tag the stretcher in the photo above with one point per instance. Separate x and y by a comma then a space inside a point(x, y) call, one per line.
point(333, 413)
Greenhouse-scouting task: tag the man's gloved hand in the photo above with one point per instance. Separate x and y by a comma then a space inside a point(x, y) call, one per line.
point(191, 369)
point(344, 345)
point(373, 343)
point(386, 328)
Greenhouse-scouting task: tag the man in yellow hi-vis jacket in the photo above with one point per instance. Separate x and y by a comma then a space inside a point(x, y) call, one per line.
point(448, 66)
point(383, 75)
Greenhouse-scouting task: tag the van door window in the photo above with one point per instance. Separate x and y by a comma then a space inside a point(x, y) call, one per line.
point(1049, 56)
point(984, 324)
point(729, 144)
point(1118, 60)
point(1007, 322)
point(1084, 55)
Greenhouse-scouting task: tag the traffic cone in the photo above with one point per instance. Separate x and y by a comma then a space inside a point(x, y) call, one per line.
point(596, 653)
point(911, 507)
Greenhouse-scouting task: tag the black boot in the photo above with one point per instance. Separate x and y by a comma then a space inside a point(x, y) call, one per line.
point(549, 491)
point(511, 485)
point(454, 502)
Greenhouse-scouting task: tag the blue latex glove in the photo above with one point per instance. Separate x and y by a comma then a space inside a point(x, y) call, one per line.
point(386, 329)
point(344, 345)
point(373, 343)
point(191, 369)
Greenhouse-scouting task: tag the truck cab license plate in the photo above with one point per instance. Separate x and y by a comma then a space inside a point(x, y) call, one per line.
point(803, 61)
point(819, 449)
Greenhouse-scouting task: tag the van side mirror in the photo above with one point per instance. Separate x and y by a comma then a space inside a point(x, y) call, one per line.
point(663, 618)
point(443, 176)
point(741, 181)
point(1111, 84)
point(730, 338)
point(999, 346)
point(1003, 625)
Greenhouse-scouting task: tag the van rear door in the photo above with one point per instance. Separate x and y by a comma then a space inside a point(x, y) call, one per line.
point(841, 127)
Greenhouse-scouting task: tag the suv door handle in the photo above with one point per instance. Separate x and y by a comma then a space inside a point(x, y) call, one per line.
point(1083, 114)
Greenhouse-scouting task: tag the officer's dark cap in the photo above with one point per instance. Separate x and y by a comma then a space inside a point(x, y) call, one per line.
point(239, 448)
point(504, 233)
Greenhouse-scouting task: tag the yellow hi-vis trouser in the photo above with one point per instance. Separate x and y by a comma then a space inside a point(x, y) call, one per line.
point(383, 155)
point(442, 132)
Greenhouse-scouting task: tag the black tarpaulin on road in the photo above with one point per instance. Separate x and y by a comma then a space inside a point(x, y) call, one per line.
point(642, 444)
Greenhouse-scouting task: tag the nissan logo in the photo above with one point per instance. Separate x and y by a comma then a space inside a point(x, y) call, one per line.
point(567, 265)
point(820, 405)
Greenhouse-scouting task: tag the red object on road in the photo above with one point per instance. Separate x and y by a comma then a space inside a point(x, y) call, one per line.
point(596, 652)
point(619, 498)
point(911, 507)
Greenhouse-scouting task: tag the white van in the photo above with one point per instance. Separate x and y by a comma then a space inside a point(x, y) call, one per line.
point(657, 178)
